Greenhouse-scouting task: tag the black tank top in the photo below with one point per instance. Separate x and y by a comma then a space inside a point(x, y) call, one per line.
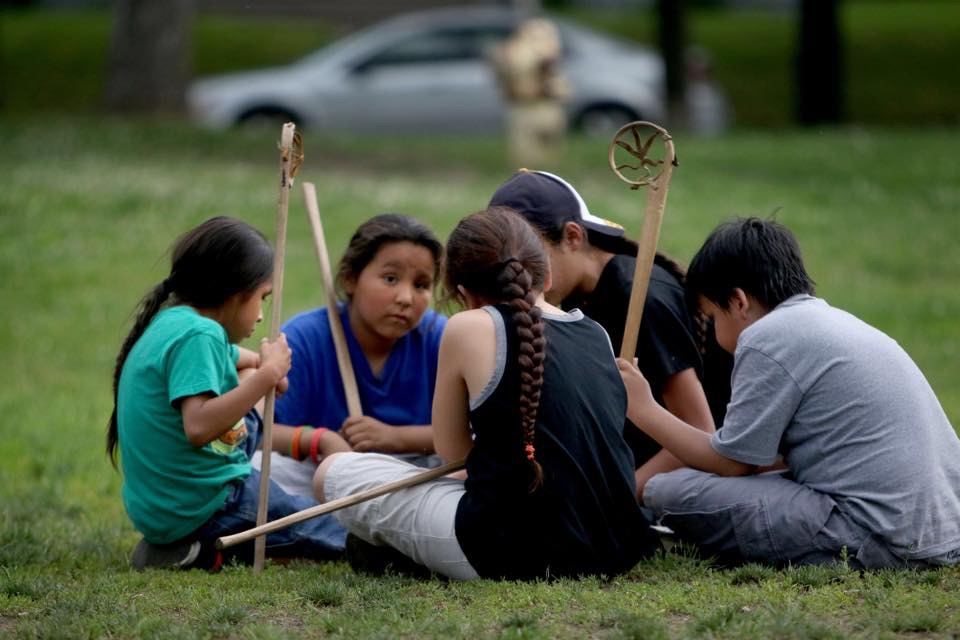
point(584, 518)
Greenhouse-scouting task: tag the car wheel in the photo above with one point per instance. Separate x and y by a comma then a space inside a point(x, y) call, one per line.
point(603, 120)
point(266, 118)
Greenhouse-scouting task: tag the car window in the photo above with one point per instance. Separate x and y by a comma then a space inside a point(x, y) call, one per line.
point(446, 45)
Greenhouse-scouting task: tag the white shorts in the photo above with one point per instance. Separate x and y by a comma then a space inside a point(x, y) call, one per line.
point(417, 521)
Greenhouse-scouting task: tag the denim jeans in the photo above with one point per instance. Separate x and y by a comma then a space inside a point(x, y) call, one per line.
point(317, 538)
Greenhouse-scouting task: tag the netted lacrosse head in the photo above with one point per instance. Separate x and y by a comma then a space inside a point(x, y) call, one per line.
point(639, 152)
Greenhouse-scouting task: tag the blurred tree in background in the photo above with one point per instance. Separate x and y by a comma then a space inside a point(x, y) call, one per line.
point(672, 39)
point(150, 56)
point(819, 63)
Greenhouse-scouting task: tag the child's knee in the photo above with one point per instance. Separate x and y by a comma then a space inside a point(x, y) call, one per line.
point(671, 490)
point(319, 476)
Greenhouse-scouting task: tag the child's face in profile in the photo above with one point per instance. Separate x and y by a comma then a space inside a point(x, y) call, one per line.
point(391, 294)
point(243, 311)
point(725, 325)
point(563, 278)
point(729, 322)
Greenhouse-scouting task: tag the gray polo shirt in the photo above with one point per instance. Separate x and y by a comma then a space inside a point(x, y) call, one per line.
point(853, 417)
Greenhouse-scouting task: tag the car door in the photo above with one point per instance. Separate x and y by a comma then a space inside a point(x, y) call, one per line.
point(440, 80)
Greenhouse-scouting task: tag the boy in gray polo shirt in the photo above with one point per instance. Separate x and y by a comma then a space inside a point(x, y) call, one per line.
point(873, 462)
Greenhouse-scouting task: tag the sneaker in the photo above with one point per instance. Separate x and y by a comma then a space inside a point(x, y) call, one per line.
point(373, 560)
point(177, 555)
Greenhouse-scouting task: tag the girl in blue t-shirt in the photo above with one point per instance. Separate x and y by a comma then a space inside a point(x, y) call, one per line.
point(184, 418)
point(387, 276)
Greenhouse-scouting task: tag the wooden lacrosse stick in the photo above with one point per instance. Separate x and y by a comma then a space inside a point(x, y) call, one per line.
point(350, 388)
point(336, 328)
point(657, 185)
point(339, 503)
point(291, 157)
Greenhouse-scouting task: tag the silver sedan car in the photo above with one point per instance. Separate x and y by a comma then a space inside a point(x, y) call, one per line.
point(430, 71)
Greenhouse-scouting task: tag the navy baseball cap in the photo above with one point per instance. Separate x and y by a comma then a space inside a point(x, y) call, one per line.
point(547, 200)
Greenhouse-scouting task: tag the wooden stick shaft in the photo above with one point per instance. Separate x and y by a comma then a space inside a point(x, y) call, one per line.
point(336, 328)
point(286, 154)
point(339, 503)
point(656, 200)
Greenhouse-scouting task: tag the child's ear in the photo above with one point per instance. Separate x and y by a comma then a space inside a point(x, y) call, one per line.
point(740, 302)
point(470, 300)
point(573, 235)
point(746, 305)
point(349, 286)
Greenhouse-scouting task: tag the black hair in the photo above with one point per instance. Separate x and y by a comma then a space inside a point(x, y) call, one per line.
point(208, 265)
point(496, 255)
point(379, 230)
point(761, 257)
point(611, 244)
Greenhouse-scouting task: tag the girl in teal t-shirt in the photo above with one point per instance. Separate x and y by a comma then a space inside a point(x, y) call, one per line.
point(185, 394)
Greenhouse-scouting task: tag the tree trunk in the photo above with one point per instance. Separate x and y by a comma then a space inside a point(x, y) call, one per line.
point(672, 38)
point(819, 70)
point(150, 58)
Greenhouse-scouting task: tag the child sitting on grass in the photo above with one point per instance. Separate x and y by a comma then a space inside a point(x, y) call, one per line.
point(531, 397)
point(387, 273)
point(874, 464)
point(184, 417)
point(592, 266)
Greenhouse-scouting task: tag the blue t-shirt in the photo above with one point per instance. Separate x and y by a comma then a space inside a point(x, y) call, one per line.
point(401, 395)
point(172, 487)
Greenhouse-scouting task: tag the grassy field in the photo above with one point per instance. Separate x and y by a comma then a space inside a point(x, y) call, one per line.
point(898, 64)
point(88, 208)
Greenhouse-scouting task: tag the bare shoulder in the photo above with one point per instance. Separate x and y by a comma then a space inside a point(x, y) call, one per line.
point(468, 348)
point(470, 324)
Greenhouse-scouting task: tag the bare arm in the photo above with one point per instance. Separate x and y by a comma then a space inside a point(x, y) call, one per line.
point(248, 359)
point(684, 396)
point(688, 444)
point(206, 417)
point(365, 433)
point(330, 441)
point(466, 359)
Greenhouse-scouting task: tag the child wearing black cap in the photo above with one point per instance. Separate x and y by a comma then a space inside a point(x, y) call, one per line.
point(592, 266)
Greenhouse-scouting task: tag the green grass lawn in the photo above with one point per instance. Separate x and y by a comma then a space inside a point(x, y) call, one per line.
point(88, 208)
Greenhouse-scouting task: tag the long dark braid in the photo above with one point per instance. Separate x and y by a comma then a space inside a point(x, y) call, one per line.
point(497, 255)
point(528, 318)
point(210, 263)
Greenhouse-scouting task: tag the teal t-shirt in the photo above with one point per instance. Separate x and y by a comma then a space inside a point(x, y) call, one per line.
point(171, 487)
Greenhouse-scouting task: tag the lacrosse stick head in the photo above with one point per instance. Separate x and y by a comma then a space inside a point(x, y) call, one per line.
point(291, 151)
point(296, 154)
point(640, 153)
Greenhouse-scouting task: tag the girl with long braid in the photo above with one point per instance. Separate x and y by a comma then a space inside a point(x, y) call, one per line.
point(530, 396)
point(593, 265)
point(185, 419)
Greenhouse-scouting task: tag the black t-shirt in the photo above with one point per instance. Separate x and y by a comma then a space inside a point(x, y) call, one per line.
point(584, 518)
point(666, 343)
